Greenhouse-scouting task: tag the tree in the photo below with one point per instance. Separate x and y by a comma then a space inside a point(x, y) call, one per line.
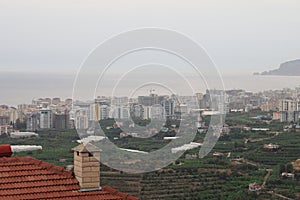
point(282, 169)
point(235, 145)
point(289, 168)
point(20, 125)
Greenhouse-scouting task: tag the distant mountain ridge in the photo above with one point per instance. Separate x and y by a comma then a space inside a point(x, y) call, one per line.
point(290, 68)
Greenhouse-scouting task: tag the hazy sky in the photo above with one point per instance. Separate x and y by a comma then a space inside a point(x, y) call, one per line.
point(54, 37)
point(241, 36)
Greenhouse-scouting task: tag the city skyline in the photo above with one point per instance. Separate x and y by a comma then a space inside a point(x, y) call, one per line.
point(142, 93)
point(49, 113)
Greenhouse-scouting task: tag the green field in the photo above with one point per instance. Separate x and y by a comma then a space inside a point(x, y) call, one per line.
point(209, 178)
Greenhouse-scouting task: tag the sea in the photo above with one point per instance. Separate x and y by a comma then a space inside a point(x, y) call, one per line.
point(22, 87)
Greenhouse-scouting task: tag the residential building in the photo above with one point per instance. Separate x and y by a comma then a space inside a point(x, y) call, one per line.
point(81, 120)
point(288, 105)
point(156, 112)
point(4, 120)
point(119, 101)
point(288, 175)
point(271, 146)
point(253, 187)
point(56, 101)
point(289, 116)
point(146, 100)
point(32, 122)
point(289, 110)
point(137, 110)
point(146, 112)
point(61, 121)
point(103, 112)
point(168, 108)
point(45, 121)
point(120, 112)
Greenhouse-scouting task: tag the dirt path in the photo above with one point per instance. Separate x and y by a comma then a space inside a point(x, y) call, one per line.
point(250, 162)
point(266, 177)
point(260, 139)
point(279, 195)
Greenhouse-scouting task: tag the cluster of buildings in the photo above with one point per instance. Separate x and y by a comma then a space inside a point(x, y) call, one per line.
point(47, 113)
point(43, 113)
point(8, 116)
point(289, 110)
point(143, 107)
point(285, 103)
point(54, 113)
point(153, 106)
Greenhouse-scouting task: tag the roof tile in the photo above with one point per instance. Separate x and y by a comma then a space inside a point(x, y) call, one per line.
point(29, 178)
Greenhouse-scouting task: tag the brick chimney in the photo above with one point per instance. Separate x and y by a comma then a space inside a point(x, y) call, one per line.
point(87, 166)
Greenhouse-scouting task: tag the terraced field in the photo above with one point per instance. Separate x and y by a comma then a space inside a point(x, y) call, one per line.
point(215, 178)
point(184, 184)
point(128, 183)
point(221, 177)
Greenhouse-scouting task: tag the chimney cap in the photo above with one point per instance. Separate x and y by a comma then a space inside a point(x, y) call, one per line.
point(86, 148)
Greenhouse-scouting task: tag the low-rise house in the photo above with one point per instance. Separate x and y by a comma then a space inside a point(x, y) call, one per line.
point(272, 133)
point(271, 146)
point(288, 175)
point(253, 187)
point(203, 129)
point(123, 134)
point(246, 128)
point(218, 154)
point(260, 129)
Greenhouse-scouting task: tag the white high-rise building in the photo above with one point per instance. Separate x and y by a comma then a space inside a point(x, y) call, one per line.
point(289, 110)
point(120, 112)
point(45, 119)
point(120, 101)
point(156, 112)
point(32, 122)
point(103, 112)
point(288, 105)
point(168, 108)
point(146, 112)
point(81, 119)
point(92, 113)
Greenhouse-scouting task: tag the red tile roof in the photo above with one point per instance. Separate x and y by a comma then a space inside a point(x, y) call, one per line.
point(29, 178)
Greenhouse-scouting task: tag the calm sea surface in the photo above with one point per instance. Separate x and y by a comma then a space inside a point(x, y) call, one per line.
point(17, 88)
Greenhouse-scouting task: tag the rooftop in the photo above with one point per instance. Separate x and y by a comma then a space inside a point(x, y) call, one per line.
point(29, 178)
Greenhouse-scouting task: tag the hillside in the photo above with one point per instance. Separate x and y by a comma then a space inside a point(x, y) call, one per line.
point(223, 176)
point(290, 68)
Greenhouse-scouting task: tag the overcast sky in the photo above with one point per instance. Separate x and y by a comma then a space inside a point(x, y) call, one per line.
point(241, 36)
